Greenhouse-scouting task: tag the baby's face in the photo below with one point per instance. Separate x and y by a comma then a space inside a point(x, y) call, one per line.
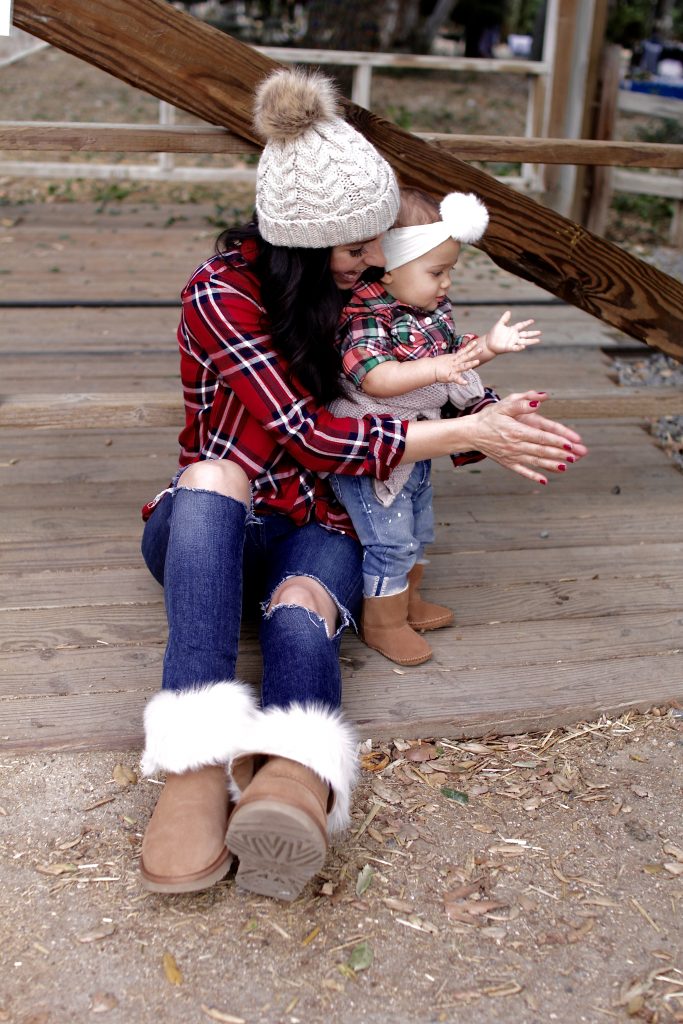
point(424, 282)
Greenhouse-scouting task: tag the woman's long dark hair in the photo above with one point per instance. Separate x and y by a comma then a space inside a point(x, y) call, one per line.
point(303, 304)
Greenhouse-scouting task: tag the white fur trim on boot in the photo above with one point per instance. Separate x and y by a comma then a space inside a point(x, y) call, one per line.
point(189, 729)
point(316, 737)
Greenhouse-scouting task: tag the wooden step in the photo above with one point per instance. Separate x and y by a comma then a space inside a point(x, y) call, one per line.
point(160, 409)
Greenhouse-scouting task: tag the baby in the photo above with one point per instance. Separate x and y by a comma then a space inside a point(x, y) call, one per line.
point(401, 356)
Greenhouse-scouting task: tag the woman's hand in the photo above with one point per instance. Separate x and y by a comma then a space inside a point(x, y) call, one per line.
point(514, 435)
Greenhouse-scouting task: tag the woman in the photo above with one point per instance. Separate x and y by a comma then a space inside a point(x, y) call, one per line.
point(258, 364)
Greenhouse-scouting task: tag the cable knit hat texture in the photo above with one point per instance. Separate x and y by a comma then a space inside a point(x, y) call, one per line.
point(319, 182)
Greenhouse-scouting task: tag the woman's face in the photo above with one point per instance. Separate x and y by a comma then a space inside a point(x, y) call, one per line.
point(348, 262)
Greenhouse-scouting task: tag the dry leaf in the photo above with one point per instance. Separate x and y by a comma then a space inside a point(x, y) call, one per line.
point(224, 1018)
point(576, 934)
point(401, 905)
point(674, 868)
point(56, 869)
point(640, 791)
point(171, 970)
point(565, 783)
point(124, 775)
point(478, 907)
point(103, 932)
point(423, 752)
point(419, 924)
point(102, 1002)
point(374, 761)
point(365, 876)
point(673, 851)
point(462, 891)
point(385, 792)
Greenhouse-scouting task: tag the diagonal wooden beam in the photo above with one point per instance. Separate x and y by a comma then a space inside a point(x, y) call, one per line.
point(172, 55)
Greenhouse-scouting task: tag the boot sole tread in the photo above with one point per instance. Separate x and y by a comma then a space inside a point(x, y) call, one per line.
point(279, 848)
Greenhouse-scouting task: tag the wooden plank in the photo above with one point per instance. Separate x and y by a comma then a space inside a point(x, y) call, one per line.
point(632, 102)
point(176, 57)
point(480, 703)
point(70, 136)
point(118, 618)
point(90, 587)
point(591, 152)
point(73, 659)
point(591, 573)
point(164, 409)
point(554, 517)
point(634, 183)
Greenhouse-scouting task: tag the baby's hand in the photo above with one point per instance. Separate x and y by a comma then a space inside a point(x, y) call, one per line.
point(450, 368)
point(506, 337)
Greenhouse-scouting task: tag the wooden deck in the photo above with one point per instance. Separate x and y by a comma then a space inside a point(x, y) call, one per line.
point(567, 598)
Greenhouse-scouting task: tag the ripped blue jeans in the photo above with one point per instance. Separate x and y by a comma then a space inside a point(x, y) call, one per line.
point(212, 557)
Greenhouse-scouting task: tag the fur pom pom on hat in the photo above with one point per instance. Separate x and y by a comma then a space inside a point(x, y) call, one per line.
point(319, 183)
point(288, 103)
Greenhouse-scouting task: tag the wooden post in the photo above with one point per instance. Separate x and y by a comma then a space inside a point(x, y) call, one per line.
point(595, 24)
point(579, 33)
point(599, 191)
point(177, 58)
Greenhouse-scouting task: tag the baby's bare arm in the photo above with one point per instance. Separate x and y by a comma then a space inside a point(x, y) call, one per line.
point(393, 378)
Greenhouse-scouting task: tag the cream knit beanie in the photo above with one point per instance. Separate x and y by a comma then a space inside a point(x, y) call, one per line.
point(320, 182)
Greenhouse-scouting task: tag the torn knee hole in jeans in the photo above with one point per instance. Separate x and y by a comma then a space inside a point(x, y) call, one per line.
point(268, 607)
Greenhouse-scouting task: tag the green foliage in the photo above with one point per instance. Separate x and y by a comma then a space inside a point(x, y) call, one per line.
point(664, 130)
point(112, 191)
point(639, 219)
point(630, 21)
point(400, 116)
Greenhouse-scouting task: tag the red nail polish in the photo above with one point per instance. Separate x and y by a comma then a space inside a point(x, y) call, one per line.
point(533, 405)
point(570, 458)
point(541, 392)
point(568, 448)
point(544, 482)
point(562, 468)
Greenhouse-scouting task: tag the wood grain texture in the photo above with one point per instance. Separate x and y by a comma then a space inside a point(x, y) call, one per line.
point(178, 58)
point(156, 409)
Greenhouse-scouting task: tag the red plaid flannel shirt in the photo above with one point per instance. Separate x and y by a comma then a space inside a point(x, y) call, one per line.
point(242, 404)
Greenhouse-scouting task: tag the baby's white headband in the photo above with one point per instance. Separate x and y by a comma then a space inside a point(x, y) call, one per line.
point(463, 218)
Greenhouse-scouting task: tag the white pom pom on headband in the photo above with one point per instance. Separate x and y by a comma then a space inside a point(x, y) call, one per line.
point(463, 218)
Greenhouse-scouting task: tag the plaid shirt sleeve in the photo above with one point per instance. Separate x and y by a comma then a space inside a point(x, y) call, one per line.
point(223, 328)
point(365, 343)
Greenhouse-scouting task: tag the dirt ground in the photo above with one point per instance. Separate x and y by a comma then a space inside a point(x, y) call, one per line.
point(525, 879)
point(529, 878)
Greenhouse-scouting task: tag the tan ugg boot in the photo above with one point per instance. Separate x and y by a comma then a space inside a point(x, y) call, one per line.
point(422, 614)
point(292, 780)
point(184, 846)
point(384, 627)
point(278, 829)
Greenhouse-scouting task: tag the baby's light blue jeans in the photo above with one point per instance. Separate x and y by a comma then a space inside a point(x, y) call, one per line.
point(393, 537)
